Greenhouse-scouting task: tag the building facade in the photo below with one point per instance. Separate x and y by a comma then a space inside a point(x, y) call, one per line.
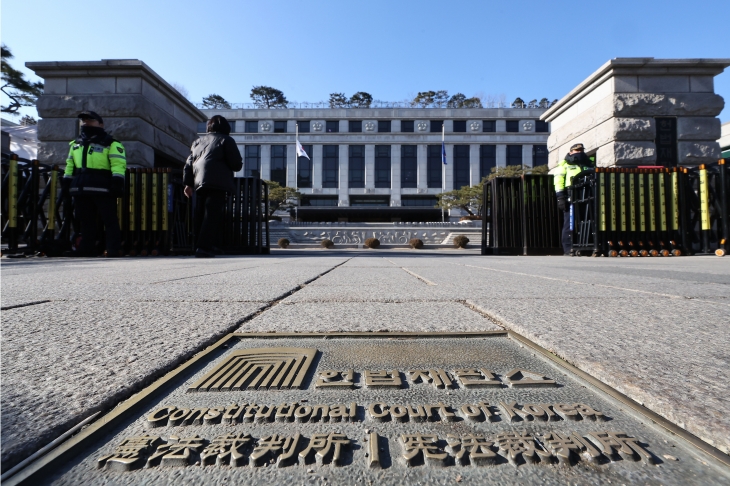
point(363, 161)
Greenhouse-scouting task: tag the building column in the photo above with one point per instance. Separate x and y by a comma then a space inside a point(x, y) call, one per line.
point(291, 165)
point(266, 162)
point(502, 155)
point(369, 166)
point(242, 151)
point(395, 189)
point(474, 178)
point(422, 152)
point(527, 155)
point(317, 166)
point(344, 173)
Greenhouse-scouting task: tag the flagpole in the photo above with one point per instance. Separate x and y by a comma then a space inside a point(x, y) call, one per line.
point(296, 169)
point(443, 172)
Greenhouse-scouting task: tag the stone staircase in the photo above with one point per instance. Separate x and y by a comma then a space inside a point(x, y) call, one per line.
point(474, 238)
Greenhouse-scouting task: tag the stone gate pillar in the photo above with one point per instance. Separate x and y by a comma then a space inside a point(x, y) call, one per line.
point(140, 109)
point(642, 111)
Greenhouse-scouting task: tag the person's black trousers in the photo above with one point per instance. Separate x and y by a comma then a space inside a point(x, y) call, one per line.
point(209, 207)
point(567, 238)
point(87, 207)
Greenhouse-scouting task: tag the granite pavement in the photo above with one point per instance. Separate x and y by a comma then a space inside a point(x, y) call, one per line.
point(81, 335)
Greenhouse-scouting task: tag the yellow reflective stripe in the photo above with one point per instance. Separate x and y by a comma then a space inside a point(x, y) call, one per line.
point(117, 157)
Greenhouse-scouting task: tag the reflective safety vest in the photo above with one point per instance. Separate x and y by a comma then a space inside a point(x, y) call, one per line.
point(92, 164)
point(564, 173)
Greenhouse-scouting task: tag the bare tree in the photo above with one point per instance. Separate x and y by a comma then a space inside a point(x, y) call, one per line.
point(27, 121)
point(181, 89)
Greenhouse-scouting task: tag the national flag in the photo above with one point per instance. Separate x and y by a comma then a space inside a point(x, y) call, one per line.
point(301, 152)
point(443, 152)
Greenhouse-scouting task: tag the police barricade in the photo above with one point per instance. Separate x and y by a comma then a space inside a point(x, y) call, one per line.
point(246, 227)
point(29, 194)
point(155, 217)
point(650, 211)
point(521, 217)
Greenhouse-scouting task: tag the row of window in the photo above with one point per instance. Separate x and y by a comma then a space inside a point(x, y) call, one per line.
point(383, 126)
point(370, 201)
point(408, 164)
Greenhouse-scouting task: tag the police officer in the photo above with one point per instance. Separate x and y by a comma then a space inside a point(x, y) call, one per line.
point(576, 161)
point(94, 173)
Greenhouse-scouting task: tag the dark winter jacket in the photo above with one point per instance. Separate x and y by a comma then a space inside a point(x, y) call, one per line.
point(213, 159)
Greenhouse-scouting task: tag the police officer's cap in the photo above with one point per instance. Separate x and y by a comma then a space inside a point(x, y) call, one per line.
point(86, 115)
point(577, 146)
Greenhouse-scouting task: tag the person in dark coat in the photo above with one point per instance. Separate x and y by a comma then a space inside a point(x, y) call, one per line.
point(213, 159)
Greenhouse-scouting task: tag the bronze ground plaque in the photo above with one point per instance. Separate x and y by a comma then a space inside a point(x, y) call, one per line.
point(387, 408)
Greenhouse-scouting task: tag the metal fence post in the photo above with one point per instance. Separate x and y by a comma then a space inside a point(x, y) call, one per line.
point(13, 204)
point(724, 224)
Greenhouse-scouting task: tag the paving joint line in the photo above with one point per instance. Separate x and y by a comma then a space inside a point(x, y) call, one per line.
point(414, 274)
point(16, 306)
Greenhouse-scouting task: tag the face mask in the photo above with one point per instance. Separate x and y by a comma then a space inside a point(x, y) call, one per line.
point(91, 132)
point(577, 158)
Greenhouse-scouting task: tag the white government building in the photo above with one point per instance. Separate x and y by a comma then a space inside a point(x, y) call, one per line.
point(382, 164)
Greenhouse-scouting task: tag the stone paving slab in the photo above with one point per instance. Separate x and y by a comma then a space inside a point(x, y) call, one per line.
point(63, 361)
point(369, 317)
point(246, 280)
point(389, 276)
point(671, 356)
point(544, 278)
point(169, 292)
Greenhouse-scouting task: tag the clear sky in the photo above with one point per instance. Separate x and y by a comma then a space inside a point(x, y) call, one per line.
point(389, 48)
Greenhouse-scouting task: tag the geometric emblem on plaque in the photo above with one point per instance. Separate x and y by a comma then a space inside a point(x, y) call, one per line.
point(258, 369)
point(522, 378)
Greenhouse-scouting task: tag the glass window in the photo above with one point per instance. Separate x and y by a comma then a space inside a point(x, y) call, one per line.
point(304, 167)
point(459, 125)
point(252, 127)
point(330, 165)
point(319, 201)
point(332, 126)
point(514, 154)
point(202, 127)
point(355, 126)
point(461, 166)
point(252, 161)
point(541, 126)
point(356, 166)
point(303, 127)
point(489, 125)
point(408, 166)
point(420, 201)
point(434, 166)
point(232, 123)
point(436, 125)
point(279, 127)
point(539, 155)
point(406, 126)
point(384, 126)
point(382, 166)
point(278, 164)
point(487, 160)
point(513, 126)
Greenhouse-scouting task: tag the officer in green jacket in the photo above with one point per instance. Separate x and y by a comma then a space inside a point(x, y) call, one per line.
point(576, 161)
point(94, 174)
